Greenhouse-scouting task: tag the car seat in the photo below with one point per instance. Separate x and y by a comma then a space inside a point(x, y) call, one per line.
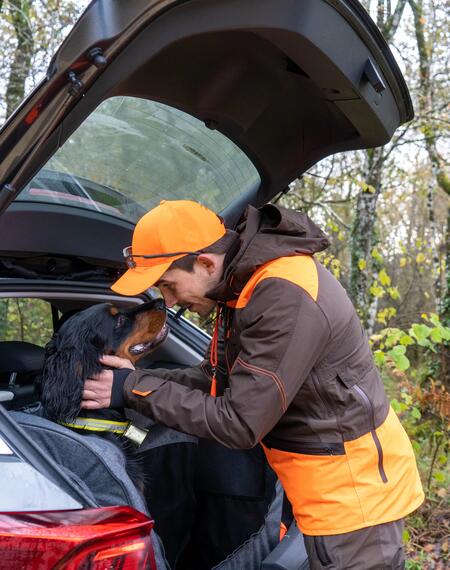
point(20, 363)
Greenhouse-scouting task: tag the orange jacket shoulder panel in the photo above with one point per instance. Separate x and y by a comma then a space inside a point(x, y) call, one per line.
point(298, 269)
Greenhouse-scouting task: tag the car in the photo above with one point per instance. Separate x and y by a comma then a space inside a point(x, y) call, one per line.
point(221, 101)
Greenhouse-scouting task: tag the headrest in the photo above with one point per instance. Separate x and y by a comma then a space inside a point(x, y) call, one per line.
point(20, 357)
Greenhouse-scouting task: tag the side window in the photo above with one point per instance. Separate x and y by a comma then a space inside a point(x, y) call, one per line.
point(26, 319)
point(206, 324)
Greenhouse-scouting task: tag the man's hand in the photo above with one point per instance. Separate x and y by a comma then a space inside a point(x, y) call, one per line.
point(97, 390)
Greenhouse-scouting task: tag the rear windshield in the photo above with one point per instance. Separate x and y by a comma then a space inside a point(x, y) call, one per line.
point(131, 153)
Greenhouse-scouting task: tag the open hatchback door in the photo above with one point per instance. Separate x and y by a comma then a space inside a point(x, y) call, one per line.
point(225, 101)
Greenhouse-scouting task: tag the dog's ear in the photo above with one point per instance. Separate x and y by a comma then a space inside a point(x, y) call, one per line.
point(66, 367)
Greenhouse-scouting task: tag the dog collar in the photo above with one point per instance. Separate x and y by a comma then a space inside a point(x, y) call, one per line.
point(123, 429)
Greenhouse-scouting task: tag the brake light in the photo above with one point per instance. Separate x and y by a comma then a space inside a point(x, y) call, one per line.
point(109, 538)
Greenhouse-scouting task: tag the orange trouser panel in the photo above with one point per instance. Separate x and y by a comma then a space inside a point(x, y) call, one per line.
point(333, 494)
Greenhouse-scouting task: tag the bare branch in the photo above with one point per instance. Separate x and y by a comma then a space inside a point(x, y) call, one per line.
point(393, 20)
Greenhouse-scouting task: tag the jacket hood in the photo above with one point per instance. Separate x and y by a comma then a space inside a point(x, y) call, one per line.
point(264, 234)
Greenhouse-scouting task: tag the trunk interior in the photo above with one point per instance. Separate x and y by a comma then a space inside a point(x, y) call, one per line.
point(188, 490)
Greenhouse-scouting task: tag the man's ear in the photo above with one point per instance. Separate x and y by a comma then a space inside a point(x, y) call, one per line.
point(211, 262)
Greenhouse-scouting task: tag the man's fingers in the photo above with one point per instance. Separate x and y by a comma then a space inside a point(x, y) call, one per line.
point(97, 389)
point(95, 385)
point(115, 361)
point(88, 394)
point(90, 405)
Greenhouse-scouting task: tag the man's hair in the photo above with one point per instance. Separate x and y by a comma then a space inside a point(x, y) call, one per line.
point(220, 246)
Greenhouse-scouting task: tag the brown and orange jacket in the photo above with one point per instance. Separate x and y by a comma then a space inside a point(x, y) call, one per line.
point(299, 380)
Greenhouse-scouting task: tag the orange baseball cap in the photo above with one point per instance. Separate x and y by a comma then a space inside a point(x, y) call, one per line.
point(170, 231)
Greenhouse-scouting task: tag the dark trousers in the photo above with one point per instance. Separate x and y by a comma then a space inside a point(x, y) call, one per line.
point(377, 547)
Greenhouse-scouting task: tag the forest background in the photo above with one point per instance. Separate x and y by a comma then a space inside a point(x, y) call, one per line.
point(387, 211)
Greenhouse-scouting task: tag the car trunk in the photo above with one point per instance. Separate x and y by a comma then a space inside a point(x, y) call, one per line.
point(207, 500)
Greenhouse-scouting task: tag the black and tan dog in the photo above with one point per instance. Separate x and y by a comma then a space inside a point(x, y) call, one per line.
point(73, 354)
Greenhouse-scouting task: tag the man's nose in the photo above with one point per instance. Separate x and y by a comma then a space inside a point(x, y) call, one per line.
point(169, 300)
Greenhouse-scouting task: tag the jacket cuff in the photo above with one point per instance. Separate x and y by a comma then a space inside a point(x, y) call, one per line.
point(140, 384)
point(119, 377)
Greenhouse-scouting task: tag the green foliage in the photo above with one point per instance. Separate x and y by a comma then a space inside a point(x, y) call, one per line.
point(27, 320)
point(391, 343)
point(375, 253)
point(384, 315)
point(397, 354)
point(331, 262)
point(384, 277)
point(367, 188)
point(409, 360)
point(416, 564)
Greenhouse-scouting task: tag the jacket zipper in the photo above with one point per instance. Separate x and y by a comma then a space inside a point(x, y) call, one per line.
point(369, 407)
point(305, 448)
point(320, 393)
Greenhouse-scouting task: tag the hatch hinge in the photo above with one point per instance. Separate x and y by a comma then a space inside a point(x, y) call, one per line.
point(76, 86)
point(97, 57)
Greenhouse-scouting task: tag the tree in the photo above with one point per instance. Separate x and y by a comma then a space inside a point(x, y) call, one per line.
point(363, 236)
point(20, 15)
point(430, 104)
point(31, 31)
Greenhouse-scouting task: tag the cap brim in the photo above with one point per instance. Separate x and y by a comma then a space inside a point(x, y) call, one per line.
point(138, 279)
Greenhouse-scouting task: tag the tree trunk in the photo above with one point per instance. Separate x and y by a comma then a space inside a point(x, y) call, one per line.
point(426, 106)
point(3, 318)
point(445, 309)
point(21, 65)
point(436, 261)
point(363, 235)
point(364, 224)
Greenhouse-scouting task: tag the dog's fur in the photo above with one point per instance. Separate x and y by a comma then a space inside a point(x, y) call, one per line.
point(73, 354)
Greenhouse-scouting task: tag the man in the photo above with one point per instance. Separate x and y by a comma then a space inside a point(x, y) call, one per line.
point(300, 377)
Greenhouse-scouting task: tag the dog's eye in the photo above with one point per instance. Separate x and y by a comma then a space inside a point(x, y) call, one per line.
point(121, 319)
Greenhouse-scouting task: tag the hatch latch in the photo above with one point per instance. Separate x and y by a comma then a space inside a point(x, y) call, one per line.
point(373, 77)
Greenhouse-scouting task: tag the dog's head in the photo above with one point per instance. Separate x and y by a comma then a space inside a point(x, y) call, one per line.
point(73, 353)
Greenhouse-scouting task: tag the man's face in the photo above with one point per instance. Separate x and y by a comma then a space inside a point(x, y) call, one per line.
point(188, 289)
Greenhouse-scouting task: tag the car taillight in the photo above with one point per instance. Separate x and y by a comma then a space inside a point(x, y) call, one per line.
point(110, 538)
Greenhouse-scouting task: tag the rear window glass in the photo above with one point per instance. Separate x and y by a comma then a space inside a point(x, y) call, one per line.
point(131, 153)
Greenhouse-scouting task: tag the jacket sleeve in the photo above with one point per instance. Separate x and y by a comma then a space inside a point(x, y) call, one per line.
point(193, 377)
point(283, 332)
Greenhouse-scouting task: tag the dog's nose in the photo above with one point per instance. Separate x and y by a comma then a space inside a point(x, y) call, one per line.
point(159, 305)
